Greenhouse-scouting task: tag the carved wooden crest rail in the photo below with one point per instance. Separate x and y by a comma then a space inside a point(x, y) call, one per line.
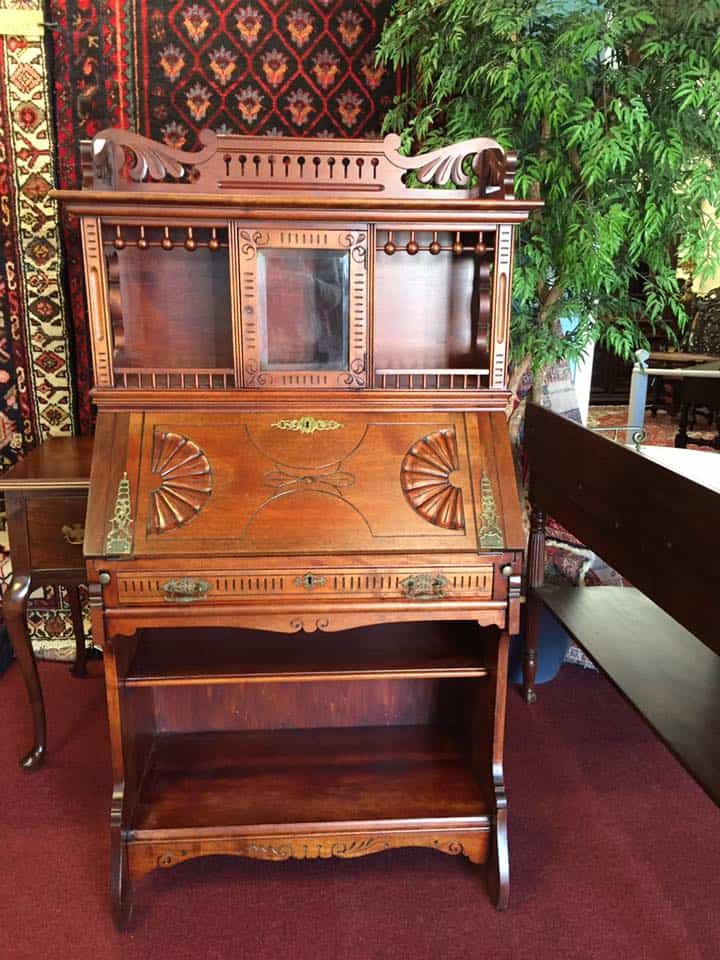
point(271, 164)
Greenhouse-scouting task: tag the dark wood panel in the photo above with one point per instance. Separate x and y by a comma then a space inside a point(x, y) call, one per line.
point(56, 528)
point(319, 776)
point(59, 461)
point(312, 704)
point(656, 527)
point(610, 378)
point(193, 656)
point(665, 672)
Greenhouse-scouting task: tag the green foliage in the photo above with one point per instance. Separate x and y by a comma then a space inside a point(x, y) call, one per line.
point(614, 108)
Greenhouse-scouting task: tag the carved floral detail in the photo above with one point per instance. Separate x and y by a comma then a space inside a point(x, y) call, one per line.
point(471, 844)
point(355, 377)
point(254, 377)
point(251, 241)
point(317, 849)
point(186, 482)
point(425, 480)
point(355, 242)
point(309, 626)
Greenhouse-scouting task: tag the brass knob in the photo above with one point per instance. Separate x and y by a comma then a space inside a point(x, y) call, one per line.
point(506, 570)
point(104, 578)
point(74, 534)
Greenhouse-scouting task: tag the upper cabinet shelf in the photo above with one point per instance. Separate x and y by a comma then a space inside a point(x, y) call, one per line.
point(280, 263)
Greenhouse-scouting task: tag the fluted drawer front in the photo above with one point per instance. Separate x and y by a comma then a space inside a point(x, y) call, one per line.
point(411, 583)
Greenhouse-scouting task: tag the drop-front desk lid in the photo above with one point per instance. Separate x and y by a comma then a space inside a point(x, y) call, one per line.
point(210, 483)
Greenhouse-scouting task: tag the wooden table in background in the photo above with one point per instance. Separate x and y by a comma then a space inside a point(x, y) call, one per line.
point(46, 500)
point(699, 392)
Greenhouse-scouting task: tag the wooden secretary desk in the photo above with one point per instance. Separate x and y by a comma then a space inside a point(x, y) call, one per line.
point(302, 503)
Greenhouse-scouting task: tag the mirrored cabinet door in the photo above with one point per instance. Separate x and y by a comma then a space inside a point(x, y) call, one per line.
point(303, 296)
point(303, 309)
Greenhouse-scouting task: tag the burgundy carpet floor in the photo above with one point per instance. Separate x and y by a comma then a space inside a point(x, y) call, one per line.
point(615, 853)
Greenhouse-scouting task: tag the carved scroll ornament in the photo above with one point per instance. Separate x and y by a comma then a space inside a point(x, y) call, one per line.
point(444, 165)
point(149, 159)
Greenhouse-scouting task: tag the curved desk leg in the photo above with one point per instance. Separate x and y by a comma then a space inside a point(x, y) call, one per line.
point(14, 607)
point(78, 668)
point(499, 860)
point(120, 895)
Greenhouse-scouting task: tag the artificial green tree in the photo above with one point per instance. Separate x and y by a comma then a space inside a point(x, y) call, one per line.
point(614, 108)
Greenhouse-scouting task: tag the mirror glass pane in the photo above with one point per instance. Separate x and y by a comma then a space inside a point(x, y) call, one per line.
point(303, 309)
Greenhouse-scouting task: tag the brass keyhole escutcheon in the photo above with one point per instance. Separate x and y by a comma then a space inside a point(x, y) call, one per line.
point(309, 581)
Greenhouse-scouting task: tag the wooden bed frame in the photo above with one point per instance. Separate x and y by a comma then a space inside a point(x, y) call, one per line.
point(658, 641)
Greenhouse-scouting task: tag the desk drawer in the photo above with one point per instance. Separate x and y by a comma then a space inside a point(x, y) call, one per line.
point(56, 527)
point(411, 583)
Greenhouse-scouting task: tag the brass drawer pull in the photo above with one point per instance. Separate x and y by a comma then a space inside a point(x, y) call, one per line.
point(424, 586)
point(74, 534)
point(185, 590)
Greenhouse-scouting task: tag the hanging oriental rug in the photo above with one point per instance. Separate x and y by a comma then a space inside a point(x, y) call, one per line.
point(167, 70)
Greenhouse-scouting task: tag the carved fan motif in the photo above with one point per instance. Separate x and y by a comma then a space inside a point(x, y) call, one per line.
point(425, 479)
point(186, 482)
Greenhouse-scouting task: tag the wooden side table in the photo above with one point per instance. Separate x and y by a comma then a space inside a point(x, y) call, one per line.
point(698, 392)
point(46, 500)
point(672, 360)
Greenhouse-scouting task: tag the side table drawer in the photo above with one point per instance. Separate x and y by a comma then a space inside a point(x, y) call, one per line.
point(458, 583)
point(56, 527)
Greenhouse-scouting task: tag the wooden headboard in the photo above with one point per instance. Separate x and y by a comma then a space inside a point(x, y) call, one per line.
point(658, 529)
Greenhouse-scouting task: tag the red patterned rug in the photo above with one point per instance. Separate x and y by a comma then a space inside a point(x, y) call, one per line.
point(660, 430)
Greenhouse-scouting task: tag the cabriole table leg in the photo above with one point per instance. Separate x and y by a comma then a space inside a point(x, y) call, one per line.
point(14, 607)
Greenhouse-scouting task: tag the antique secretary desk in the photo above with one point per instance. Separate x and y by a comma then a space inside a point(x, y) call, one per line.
point(303, 538)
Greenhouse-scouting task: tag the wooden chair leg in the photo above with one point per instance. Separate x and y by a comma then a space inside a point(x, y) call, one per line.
point(535, 578)
point(681, 437)
point(532, 632)
point(78, 668)
point(14, 611)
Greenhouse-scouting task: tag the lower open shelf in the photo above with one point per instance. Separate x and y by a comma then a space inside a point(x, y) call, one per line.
point(202, 784)
point(186, 656)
